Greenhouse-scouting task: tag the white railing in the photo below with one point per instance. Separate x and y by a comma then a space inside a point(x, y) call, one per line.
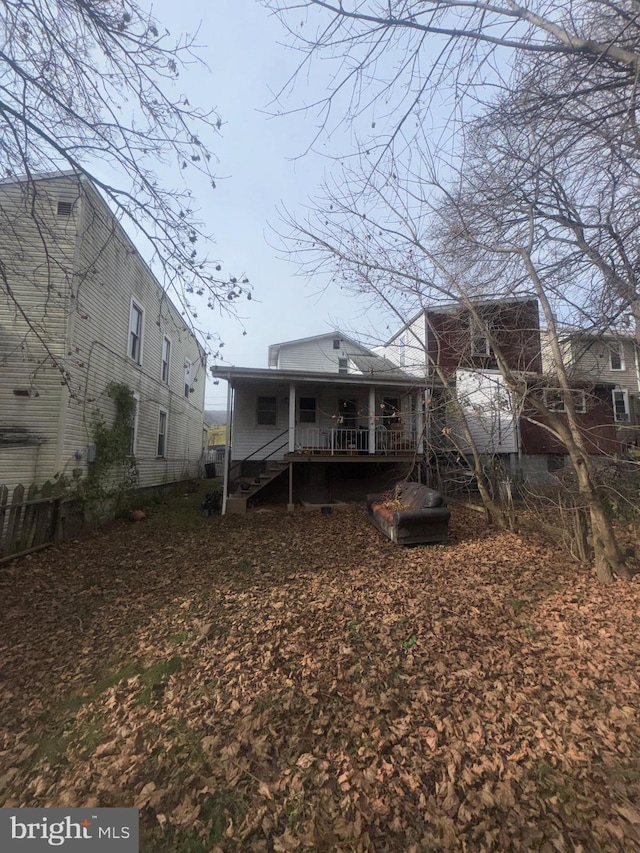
point(339, 441)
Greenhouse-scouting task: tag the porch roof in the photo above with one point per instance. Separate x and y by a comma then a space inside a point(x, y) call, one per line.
point(240, 375)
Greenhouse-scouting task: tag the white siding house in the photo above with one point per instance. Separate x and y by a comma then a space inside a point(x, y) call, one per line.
point(489, 410)
point(80, 310)
point(330, 412)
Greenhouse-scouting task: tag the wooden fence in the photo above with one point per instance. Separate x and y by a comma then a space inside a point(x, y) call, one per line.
point(31, 520)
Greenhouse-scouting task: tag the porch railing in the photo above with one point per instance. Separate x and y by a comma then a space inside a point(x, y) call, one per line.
point(341, 441)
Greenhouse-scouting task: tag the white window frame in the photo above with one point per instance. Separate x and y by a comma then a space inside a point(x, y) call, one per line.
point(627, 412)
point(343, 366)
point(579, 398)
point(165, 341)
point(617, 349)
point(135, 305)
point(133, 446)
point(165, 434)
point(187, 378)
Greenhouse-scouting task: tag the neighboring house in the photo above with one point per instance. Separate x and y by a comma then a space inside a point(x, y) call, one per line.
point(80, 310)
point(447, 337)
point(446, 341)
point(609, 362)
point(335, 417)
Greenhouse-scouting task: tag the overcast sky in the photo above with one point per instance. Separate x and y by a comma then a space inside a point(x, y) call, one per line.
point(261, 170)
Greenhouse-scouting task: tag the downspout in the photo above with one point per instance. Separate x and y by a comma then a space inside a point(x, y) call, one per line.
point(292, 417)
point(227, 450)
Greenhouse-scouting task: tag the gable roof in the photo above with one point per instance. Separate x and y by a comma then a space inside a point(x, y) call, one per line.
point(274, 349)
point(366, 361)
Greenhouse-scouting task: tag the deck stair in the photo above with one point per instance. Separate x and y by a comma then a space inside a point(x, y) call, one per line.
point(248, 487)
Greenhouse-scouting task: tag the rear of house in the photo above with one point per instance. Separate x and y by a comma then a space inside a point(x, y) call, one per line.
point(334, 417)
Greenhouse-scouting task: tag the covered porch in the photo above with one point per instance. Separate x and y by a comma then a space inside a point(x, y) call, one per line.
point(279, 419)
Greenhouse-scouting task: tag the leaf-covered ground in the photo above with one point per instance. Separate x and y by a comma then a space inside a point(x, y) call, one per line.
point(296, 682)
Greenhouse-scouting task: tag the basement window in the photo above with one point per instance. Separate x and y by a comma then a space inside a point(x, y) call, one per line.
point(65, 208)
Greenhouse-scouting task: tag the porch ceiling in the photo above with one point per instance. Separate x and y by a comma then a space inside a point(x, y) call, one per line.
point(238, 376)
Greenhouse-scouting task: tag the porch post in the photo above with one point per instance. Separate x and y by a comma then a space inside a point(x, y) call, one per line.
point(292, 417)
point(290, 506)
point(372, 420)
point(420, 423)
point(227, 452)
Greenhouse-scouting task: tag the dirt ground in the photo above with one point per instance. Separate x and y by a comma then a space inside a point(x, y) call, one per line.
point(295, 681)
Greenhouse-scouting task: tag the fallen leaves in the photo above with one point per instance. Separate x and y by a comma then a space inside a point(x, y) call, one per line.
point(295, 682)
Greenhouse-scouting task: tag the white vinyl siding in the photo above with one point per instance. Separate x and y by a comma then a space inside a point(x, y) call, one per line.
point(489, 410)
point(88, 334)
point(318, 355)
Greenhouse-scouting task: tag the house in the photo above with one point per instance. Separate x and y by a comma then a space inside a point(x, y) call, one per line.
point(446, 342)
point(609, 361)
point(447, 338)
point(327, 420)
point(81, 314)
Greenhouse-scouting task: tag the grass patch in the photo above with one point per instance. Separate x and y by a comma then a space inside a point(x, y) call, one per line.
point(552, 781)
point(177, 508)
point(215, 813)
point(155, 679)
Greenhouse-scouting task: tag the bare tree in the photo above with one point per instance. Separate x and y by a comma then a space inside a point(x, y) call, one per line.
point(403, 68)
point(89, 87)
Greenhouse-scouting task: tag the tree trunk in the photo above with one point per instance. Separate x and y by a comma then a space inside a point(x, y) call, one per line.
point(609, 560)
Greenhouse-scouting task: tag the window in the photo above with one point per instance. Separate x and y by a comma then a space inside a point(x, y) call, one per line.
point(554, 400)
point(162, 433)
point(479, 341)
point(166, 360)
point(187, 378)
point(620, 406)
point(65, 208)
point(133, 427)
point(555, 462)
point(307, 412)
point(616, 356)
point(136, 325)
point(343, 365)
point(267, 411)
point(336, 343)
point(390, 411)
